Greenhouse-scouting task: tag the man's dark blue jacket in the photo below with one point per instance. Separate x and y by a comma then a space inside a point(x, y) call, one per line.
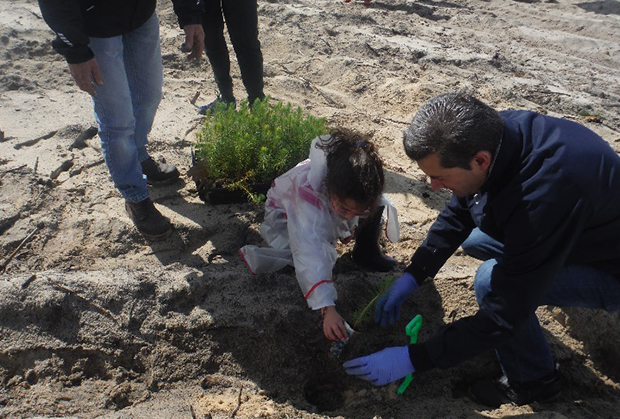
point(552, 198)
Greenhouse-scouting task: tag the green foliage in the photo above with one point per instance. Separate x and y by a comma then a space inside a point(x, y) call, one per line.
point(365, 313)
point(254, 145)
point(587, 112)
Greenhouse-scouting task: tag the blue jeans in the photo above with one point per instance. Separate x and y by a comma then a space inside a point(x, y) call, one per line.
point(528, 357)
point(125, 106)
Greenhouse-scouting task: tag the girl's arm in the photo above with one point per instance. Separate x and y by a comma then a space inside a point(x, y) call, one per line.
point(311, 232)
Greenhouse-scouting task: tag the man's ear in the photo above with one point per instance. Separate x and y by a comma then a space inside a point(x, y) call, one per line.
point(482, 160)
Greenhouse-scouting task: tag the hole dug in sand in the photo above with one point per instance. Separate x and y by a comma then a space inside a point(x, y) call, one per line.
point(325, 390)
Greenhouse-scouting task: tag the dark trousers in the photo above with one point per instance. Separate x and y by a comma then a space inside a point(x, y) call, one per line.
point(242, 22)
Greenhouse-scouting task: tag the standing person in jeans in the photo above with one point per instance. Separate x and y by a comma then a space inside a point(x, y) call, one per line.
point(241, 18)
point(537, 198)
point(113, 52)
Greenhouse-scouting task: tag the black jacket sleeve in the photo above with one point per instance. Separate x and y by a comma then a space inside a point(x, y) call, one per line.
point(188, 11)
point(74, 20)
point(64, 17)
point(452, 227)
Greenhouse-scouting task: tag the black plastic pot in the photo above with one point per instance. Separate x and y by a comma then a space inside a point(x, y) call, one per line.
point(219, 195)
point(228, 196)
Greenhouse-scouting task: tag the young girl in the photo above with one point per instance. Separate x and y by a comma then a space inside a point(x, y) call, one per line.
point(319, 201)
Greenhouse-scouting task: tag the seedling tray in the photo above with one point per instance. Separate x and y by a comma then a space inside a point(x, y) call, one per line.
point(231, 196)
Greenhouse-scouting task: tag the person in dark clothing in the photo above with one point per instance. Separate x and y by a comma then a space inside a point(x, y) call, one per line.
point(537, 198)
point(113, 52)
point(242, 22)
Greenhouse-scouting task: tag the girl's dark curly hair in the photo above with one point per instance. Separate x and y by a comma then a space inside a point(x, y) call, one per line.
point(354, 169)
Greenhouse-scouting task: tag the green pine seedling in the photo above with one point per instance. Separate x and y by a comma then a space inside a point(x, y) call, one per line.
point(364, 314)
point(237, 148)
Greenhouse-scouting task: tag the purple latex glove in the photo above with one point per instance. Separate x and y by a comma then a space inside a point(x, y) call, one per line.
point(382, 367)
point(387, 308)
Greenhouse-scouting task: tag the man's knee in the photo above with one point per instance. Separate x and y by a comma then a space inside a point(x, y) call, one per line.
point(482, 280)
point(470, 248)
point(481, 246)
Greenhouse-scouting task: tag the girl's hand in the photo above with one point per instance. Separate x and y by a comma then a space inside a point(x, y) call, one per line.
point(333, 324)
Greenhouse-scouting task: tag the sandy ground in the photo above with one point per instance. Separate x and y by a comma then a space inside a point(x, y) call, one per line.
point(95, 322)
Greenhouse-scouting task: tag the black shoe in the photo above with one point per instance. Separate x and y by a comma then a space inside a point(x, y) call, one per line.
point(207, 109)
point(366, 252)
point(254, 100)
point(159, 173)
point(148, 220)
point(494, 393)
point(374, 260)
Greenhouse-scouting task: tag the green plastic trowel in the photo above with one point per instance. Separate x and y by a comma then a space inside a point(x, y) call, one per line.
point(411, 330)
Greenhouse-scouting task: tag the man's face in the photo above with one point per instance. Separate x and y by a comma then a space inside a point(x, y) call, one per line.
point(460, 181)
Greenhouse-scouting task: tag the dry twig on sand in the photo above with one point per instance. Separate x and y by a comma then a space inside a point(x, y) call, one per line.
point(80, 141)
point(12, 255)
point(234, 412)
point(96, 306)
point(194, 98)
point(65, 166)
point(195, 124)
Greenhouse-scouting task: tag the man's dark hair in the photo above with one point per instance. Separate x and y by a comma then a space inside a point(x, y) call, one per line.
point(454, 126)
point(354, 168)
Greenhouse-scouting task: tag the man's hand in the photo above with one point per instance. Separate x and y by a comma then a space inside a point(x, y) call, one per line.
point(382, 367)
point(333, 324)
point(387, 309)
point(85, 74)
point(194, 41)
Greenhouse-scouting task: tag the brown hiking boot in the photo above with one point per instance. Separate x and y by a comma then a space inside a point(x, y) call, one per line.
point(148, 220)
point(158, 172)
